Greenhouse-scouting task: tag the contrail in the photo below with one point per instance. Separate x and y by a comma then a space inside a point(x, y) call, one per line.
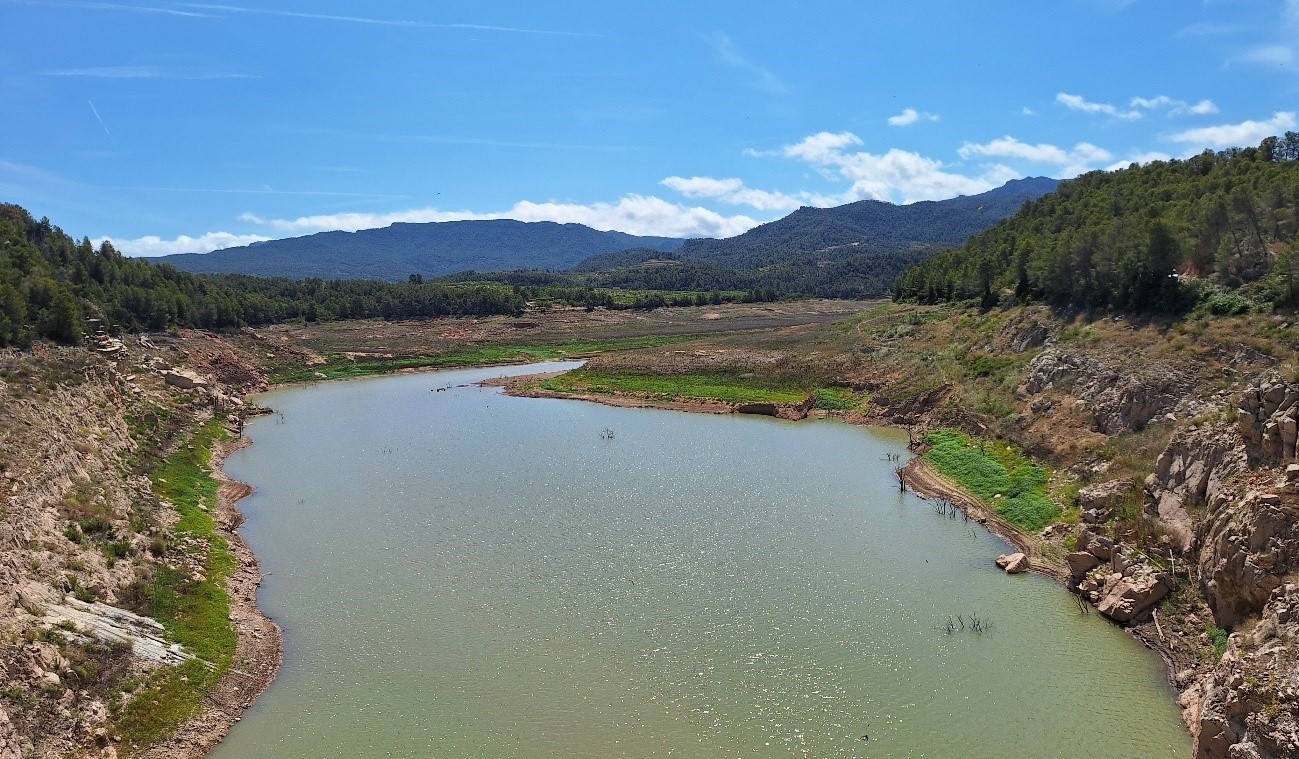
point(100, 118)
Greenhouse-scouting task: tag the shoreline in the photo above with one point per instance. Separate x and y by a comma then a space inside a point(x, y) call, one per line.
point(259, 649)
point(923, 480)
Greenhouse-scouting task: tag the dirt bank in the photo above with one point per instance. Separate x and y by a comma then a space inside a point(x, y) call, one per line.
point(259, 650)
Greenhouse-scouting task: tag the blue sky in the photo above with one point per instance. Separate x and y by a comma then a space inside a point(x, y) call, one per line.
point(182, 127)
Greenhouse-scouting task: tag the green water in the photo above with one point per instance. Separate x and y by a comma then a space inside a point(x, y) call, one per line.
point(465, 574)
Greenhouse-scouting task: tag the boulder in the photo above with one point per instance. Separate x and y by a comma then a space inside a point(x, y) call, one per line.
point(185, 379)
point(1101, 548)
point(1080, 563)
point(1128, 597)
point(1098, 501)
point(1013, 563)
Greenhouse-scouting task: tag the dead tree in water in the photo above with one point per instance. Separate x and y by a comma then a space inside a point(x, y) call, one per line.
point(902, 483)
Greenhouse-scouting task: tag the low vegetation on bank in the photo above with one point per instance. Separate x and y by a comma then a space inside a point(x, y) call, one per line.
point(1012, 485)
point(190, 599)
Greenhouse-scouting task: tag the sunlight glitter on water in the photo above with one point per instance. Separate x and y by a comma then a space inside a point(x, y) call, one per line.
point(472, 575)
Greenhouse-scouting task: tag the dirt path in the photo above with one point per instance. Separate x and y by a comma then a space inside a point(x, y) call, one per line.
point(259, 650)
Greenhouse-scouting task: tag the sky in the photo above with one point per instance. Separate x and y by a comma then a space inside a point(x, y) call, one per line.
point(175, 127)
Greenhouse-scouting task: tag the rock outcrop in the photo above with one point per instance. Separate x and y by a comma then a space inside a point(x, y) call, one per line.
point(1119, 401)
point(1267, 420)
point(1195, 470)
point(1098, 501)
point(1247, 706)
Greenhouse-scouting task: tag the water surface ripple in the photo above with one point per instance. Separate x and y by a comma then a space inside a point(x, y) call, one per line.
point(465, 574)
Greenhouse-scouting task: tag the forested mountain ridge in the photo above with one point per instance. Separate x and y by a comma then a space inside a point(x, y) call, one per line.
point(868, 226)
point(50, 283)
point(1218, 228)
point(394, 252)
point(849, 251)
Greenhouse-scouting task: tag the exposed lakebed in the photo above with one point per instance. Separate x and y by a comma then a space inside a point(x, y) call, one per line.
point(461, 573)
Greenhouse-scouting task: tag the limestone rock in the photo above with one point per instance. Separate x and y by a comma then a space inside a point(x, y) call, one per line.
point(185, 379)
point(1098, 501)
point(1080, 563)
point(1013, 563)
point(1127, 597)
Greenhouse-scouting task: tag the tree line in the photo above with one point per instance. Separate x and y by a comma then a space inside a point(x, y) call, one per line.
point(50, 284)
point(1217, 227)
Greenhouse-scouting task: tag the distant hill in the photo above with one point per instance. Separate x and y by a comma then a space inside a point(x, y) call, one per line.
point(868, 227)
point(430, 249)
point(1218, 229)
point(854, 250)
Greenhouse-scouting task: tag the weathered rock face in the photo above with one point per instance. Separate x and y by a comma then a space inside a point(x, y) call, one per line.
point(1098, 501)
point(1249, 546)
point(1266, 419)
point(1249, 705)
point(1119, 401)
point(1195, 469)
point(1080, 563)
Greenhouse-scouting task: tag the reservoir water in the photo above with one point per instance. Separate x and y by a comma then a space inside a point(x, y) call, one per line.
point(463, 574)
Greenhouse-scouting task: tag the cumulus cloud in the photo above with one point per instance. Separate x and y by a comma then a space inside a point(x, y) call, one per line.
point(1076, 160)
point(896, 175)
point(153, 245)
point(633, 214)
point(733, 190)
point(1175, 107)
point(910, 116)
point(1245, 134)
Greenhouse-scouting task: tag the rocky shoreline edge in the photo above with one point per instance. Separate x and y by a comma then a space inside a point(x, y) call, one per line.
point(259, 650)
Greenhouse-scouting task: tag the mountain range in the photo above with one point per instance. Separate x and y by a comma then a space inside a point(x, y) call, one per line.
point(869, 236)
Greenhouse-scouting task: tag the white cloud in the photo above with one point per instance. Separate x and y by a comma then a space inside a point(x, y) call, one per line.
point(153, 245)
point(1028, 111)
point(1082, 157)
point(1137, 106)
point(1078, 103)
point(896, 175)
point(733, 190)
point(910, 116)
point(633, 214)
point(1245, 134)
point(1175, 107)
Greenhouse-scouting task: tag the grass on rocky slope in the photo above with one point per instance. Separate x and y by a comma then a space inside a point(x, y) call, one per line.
point(1014, 486)
point(195, 612)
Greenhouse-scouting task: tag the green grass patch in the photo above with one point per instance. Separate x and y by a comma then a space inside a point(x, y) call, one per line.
point(477, 356)
point(194, 613)
point(838, 399)
point(1218, 637)
point(705, 386)
point(1001, 476)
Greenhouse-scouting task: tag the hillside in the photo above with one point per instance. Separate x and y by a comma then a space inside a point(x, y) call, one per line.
point(395, 252)
point(1218, 228)
point(868, 226)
